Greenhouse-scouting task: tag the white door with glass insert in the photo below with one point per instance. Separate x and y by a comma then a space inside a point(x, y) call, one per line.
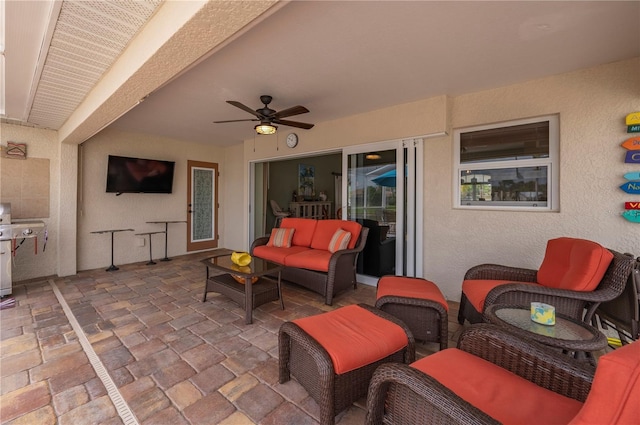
point(202, 206)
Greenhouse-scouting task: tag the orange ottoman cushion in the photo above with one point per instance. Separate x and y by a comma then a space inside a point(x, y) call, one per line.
point(410, 287)
point(354, 337)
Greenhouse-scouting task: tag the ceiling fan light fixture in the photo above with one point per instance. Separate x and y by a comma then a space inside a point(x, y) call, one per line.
point(373, 155)
point(265, 128)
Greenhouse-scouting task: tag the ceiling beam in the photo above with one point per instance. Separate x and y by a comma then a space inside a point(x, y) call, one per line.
point(178, 36)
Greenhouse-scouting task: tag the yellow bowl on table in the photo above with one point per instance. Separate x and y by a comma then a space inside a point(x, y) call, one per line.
point(241, 258)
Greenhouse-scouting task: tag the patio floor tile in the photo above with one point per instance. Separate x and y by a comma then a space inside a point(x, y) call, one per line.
point(173, 358)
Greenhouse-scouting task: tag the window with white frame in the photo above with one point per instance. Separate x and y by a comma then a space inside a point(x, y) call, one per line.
point(508, 166)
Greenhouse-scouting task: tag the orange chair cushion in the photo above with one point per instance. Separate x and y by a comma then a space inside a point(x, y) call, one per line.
point(304, 229)
point(354, 337)
point(476, 290)
point(277, 254)
point(575, 264)
point(409, 287)
point(615, 393)
point(327, 228)
point(312, 259)
point(499, 393)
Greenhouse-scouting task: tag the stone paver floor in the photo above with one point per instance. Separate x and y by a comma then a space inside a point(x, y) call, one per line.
point(174, 359)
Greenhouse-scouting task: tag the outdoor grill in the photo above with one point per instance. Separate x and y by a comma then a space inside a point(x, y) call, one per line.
point(12, 235)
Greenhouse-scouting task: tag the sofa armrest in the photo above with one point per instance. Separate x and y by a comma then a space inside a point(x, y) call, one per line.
point(499, 272)
point(534, 362)
point(342, 267)
point(259, 242)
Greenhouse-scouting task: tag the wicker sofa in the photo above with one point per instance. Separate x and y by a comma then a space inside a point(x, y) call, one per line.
point(497, 377)
point(309, 262)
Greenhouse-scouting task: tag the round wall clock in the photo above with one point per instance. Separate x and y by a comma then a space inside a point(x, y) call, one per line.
point(292, 140)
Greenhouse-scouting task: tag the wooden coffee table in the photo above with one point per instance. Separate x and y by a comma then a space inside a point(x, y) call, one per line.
point(248, 295)
point(568, 334)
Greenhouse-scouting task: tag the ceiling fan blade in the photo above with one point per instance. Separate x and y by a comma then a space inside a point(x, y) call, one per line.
point(248, 119)
point(294, 124)
point(295, 110)
point(244, 108)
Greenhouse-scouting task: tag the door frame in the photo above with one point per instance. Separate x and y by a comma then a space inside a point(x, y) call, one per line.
point(207, 244)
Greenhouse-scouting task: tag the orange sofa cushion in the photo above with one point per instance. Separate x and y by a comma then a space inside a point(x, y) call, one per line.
point(615, 393)
point(575, 264)
point(354, 337)
point(325, 229)
point(408, 287)
point(304, 229)
point(277, 254)
point(312, 259)
point(476, 290)
point(499, 393)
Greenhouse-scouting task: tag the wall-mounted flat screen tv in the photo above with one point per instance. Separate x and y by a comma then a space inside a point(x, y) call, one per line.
point(139, 175)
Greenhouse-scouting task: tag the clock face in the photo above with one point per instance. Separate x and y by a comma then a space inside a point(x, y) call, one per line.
point(292, 140)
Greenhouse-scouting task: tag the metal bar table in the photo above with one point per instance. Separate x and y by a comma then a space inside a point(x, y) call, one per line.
point(151, 262)
point(166, 235)
point(112, 231)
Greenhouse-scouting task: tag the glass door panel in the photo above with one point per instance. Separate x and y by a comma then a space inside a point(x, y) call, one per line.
point(372, 200)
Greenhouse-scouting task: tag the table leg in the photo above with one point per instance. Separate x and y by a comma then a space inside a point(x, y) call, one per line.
point(206, 284)
point(280, 290)
point(248, 301)
point(112, 267)
point(151, 262)
point(166, 242)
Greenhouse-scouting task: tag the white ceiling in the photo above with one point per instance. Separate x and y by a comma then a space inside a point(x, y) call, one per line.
point(344, 58)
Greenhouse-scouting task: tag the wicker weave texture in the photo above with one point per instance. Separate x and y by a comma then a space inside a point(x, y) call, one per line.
point(428, 320)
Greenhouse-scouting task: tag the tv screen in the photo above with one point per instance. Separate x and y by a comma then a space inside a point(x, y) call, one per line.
point(138, 175)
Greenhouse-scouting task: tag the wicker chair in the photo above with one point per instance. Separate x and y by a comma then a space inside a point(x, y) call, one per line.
point(521, 288)
point(401, 394)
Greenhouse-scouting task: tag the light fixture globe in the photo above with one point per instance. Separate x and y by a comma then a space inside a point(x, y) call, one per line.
point(265, 128)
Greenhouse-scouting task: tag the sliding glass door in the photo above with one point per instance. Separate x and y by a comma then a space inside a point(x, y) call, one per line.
point(381, 190)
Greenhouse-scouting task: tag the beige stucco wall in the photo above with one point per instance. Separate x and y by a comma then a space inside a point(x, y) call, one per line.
point(40, 144)
point(591, 104)
point(99, 210)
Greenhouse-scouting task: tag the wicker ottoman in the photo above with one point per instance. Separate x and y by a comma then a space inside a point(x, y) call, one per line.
point(334, 362)
point(418, 303)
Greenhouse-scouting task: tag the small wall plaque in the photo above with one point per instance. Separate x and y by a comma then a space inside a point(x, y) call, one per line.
point(632, 143)
point(632, 215)
point(634, 175)
point(15, 150)
point(631, 187)
point(632, 157)
point(632, 205)
point(633, 118)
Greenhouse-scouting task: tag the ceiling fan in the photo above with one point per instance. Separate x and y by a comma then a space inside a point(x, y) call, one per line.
point(267, 116)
